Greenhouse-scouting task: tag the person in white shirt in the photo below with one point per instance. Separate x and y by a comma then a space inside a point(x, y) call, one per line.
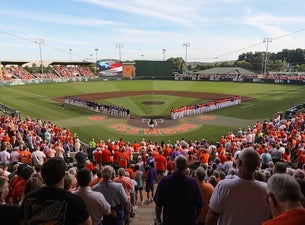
point(5, 157)
point(15, 155)
point(38, 157)
point(240, 201)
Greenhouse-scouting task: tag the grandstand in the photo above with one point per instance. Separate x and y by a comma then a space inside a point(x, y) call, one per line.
point(16, 70)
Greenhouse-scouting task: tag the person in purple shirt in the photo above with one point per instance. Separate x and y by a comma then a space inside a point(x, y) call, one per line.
point(151, 176)
point(178, 196)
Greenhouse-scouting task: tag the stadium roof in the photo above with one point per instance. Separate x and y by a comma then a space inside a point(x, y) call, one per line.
point(227, 70)
point(19, 63)
point(71, 63)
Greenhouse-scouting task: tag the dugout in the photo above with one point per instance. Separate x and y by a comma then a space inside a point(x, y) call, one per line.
point(153, 69)
point(292, 112)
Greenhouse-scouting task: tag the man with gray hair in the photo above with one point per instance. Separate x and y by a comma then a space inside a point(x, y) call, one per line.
point(284, 198)
point(179, 196)
point(115, 195)
point(240, 201)
point(206, 191)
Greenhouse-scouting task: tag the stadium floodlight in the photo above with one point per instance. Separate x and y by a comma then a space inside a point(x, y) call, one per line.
point(266, 40)
point(96, 50)
point(186, 45)
point(70, 55)
point(163, 52)
point(119, 46)
point(40, 41)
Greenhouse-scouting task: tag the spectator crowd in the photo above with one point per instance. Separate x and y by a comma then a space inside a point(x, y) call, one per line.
point(32, 149)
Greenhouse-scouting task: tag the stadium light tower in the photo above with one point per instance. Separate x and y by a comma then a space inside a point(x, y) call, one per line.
point(40, 41)
point(96, 50)
point(186, 45)
point(119, 46)
point(70, 55)
point(266, 40)
point(163, 52)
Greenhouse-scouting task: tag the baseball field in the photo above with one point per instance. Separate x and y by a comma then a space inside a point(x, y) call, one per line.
point(151, 98)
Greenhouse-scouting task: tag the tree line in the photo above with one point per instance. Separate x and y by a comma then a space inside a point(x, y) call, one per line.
point(285, 61)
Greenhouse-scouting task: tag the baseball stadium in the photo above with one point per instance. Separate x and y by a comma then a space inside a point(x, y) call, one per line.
point(149, 96)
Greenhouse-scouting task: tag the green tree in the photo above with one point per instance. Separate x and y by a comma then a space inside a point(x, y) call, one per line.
point(178, 63)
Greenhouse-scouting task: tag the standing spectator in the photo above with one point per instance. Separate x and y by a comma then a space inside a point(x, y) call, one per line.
point(9, 213)
point(66, 207)
point(240, 201)
point(98, 178)
point(206, 191)
point(17, 193)
point(284, 198)
point(15, 155)
point(178, 196)
point(106, 156)
point(150, 176)
point(80, 158)
point(5, 157)
point(139, 178)
point(38, 156)
point(115, 195)
point(128, 186)
point(266, 158)
point(33, 183)
point(160, 165)
point(25, 155)
point(95, 201)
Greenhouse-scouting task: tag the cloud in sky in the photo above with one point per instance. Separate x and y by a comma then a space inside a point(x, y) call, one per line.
point(216, 30)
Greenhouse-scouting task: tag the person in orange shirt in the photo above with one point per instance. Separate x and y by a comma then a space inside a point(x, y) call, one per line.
point(204, 157)
point(136, 146)
point(123, 159)
point(25, 155)
point(17, 193)
point(206, 190)
point(161, 164)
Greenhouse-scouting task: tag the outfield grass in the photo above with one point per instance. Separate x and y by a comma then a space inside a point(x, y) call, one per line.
point(37, 101)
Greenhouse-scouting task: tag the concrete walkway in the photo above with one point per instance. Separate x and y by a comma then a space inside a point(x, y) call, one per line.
point(144, 214)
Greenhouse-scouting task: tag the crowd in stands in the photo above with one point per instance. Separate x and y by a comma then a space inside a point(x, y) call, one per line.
point(12, 72)
point(279, 76)
point(198, 109)
point(15, 72)
point(270, 76)
point(72, 71)
point(27, 144)
point(111, 110)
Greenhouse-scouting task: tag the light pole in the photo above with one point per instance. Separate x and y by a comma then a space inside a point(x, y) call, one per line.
point(119, 46)
point(163, 52)
point(70, 55)
point(186, 45)
point(266, 40)
point(40, 41)
point(96, 54)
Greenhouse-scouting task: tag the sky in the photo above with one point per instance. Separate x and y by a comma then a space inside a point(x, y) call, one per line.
point(196, 30)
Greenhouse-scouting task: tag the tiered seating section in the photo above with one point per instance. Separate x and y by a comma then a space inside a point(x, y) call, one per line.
point(13, 72)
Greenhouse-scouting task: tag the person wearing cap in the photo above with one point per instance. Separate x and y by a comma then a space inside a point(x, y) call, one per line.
point(285, 200)
point(240, 201)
